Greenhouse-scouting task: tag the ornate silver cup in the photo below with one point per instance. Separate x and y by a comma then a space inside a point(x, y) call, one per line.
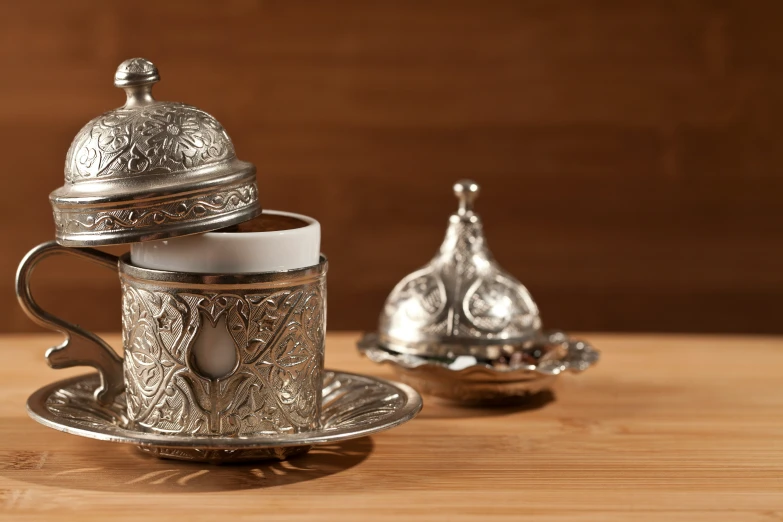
point(273, 322)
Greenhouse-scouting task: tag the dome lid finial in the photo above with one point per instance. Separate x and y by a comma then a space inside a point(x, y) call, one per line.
point(135, 72)
point(466, 191)
point(136, 77)
point(150, 170)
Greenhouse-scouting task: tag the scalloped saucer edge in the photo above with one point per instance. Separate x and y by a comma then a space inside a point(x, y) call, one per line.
point(465, 379)
point(352, 406)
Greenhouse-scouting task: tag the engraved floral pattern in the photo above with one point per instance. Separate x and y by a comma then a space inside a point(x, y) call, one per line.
point(173, 134)
point(162, 137)
point(193, 208)
point(460, 293)
point(279, 337)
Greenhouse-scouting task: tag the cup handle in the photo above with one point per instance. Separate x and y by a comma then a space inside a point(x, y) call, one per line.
point(81, 347)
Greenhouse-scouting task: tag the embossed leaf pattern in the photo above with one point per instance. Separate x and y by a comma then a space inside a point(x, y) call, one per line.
point(154, 338)
point(230, 392)
point(215, 398)
point(280, 361)
point(134, 161)
point(199, 388)
point(237, 322)
point(287, 365)
point(259, 412)
point(170, 314)
point(144, 368)
point(162, 137)
point(313, 320)
point(266, 317)
point(275, 386)
point(98, 145)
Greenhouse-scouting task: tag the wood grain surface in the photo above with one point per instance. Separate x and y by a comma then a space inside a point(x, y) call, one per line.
point(664, 428)
point(629, 152)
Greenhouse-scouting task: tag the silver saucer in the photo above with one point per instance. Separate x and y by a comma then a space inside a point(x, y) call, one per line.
point(469, 379)
point(352, 406)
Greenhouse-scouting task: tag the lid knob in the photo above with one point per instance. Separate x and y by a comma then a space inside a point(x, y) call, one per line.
point(136, 76)
point(466, 191)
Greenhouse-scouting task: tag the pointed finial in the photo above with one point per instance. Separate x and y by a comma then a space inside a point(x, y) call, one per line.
point(466, 191)
point(136, 77)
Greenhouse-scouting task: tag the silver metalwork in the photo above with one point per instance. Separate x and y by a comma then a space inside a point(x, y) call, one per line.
point(80, 347)
point(276, 322)
point(461, 302)
point(351, 406)
point(463, 316)
point(470, 379)
point(150, 170)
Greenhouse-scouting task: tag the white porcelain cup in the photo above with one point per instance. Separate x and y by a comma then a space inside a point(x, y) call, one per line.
point(275, 241)
point(272, 242)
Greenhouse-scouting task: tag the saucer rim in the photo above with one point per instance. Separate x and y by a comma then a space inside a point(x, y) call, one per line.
point(37, 410)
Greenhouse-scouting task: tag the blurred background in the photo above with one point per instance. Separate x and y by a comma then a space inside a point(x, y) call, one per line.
point(629, 152)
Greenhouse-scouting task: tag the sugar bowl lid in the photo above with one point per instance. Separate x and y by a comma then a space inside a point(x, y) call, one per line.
point(462, 302)
point(150, 170)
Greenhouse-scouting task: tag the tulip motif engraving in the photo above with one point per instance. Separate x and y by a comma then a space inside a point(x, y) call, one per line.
point(275, 385)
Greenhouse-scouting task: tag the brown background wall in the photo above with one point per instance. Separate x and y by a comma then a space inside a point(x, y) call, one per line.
point(629, 152)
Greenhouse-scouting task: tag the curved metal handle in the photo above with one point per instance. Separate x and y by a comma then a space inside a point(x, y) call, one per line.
point(81, 347)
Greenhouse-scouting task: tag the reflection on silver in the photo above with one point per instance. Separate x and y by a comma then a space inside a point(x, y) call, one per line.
point(461, 302)
point(462, 328)
point(275, 322)
point(275, 325)
point(470, 379)
point(352, 406)
point(150, 169)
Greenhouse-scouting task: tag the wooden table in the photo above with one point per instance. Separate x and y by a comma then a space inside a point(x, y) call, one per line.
point(664, 428)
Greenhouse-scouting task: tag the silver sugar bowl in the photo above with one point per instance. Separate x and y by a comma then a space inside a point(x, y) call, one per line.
point(462, 328)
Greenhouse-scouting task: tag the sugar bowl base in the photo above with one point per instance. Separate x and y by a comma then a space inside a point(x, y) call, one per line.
point(470, 380)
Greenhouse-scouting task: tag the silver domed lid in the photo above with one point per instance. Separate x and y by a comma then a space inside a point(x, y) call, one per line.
point(462, 302)
point(150, 170)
